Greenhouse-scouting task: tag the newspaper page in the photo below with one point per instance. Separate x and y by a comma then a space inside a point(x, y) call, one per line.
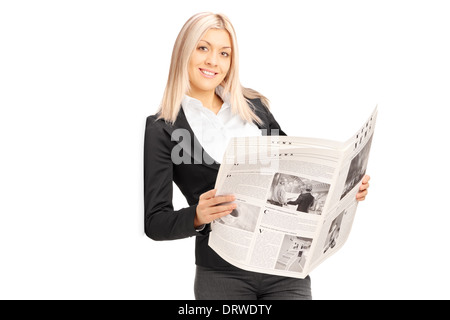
point(296, 200)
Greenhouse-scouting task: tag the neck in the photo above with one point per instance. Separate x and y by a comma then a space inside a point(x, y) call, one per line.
point(209, 99)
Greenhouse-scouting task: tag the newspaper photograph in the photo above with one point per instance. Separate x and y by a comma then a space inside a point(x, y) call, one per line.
point(296, 200)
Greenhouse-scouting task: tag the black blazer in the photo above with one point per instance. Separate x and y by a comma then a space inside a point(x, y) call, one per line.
point(304, 202)
point(162, 222)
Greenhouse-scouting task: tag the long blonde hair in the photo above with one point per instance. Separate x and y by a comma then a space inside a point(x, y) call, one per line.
point(178, 82)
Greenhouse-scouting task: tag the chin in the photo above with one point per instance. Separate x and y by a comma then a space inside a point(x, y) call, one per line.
point(208, 86)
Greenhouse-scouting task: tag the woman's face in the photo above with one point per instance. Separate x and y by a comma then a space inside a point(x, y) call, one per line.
point(210, 61)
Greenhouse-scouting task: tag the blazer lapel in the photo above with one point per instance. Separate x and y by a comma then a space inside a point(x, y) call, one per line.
point(191, 145)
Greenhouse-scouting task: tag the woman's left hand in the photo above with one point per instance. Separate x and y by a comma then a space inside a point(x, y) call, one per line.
point(361, 196)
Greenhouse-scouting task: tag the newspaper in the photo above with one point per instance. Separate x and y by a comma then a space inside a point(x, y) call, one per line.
point(296, 200)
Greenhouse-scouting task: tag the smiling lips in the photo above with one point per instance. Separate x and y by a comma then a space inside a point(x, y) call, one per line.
point(207, 73)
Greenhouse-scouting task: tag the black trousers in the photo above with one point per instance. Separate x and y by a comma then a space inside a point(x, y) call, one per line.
point(237, 284)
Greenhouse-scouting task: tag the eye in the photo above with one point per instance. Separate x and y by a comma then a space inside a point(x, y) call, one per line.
point(225, 54)
point(202, 48)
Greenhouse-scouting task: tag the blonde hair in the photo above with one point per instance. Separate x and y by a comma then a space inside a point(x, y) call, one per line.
point(178, 82)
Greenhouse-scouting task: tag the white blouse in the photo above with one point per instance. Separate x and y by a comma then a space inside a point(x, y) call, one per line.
point(215, 131)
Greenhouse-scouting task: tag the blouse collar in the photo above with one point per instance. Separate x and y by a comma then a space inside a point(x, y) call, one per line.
point(188, 101)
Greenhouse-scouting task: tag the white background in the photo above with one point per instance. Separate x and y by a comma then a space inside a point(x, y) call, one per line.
point(79, 78)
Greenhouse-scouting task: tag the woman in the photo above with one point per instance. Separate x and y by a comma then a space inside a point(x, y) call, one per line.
point(203, 106)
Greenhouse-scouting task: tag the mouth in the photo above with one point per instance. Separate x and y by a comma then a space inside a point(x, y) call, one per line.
point(208, 73)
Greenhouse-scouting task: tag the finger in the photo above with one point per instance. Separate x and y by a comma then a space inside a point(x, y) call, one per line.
point(208, 195)
point(366, 179)
point(361, 199)
point(218, 209)
point(361, 195)
point(220, 214)
point(216, 201)
point(364, 186)
point(222, 199)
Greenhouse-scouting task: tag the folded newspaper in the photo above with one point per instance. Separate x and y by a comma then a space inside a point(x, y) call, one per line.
point(296, 200)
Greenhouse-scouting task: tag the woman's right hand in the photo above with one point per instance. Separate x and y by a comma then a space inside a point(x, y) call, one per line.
point(209, 207)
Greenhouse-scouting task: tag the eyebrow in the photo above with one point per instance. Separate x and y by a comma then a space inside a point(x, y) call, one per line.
point(212, 45)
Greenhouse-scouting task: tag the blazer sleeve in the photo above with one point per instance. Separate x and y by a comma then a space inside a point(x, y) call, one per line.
point(269, 122)
point(273, 124)
point(295, 201)
point(162, 222)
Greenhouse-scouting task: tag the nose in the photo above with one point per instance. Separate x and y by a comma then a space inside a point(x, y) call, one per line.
point(211, 59)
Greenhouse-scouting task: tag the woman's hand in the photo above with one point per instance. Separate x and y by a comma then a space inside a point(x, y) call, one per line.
point(209, 207)
point(361, 196)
